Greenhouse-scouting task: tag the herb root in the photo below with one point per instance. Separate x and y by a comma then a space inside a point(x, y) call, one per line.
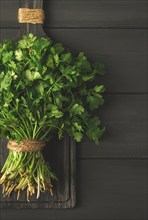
point(26, 171)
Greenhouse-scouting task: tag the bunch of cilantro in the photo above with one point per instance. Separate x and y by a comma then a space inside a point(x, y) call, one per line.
point(44, 92)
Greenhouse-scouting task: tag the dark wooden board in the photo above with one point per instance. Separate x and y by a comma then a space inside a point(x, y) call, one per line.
point(126, 120)
point(106, 14)
point(61, 156)
point(124, 53)
point(106, 189)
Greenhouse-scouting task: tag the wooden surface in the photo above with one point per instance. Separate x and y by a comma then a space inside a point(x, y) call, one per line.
point(125, 118)
point(84, 13)
point(106, 189)
point(112, 178)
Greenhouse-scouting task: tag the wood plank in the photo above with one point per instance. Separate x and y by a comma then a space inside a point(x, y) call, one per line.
point(106, 189)
point(124, 53)
point(90, 14)
point(126, 121)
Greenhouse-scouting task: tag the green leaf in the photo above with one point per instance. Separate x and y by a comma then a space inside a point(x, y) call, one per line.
point(19, 55)
point(36, 75)
point(9, 97)
point(7, 57)
point(58, 48)
point(50, 62)
point(88, 77)
point(56, 113)
point(56, 59)
point(94, 101)
point(94, 132)
point(12, 65)
point(27, 41)
point(83, 63)
point(78, 136)
point(31, 76)
point(5, 83)
point(40, 88)
point(77, 126)
point(77, 109)
point(57, 87)
point(58, 100)
point(66, 58)
point(99, 89)
point(40, 45)
point(99, 68)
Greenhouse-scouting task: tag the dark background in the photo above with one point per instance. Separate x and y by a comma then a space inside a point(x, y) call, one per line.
point(111, 178)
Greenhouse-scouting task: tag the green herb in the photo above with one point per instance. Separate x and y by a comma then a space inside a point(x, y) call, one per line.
point(44, 92)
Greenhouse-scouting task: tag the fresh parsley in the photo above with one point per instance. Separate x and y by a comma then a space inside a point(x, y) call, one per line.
point(44, 92)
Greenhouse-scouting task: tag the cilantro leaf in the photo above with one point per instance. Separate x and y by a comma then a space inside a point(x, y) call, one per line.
point(43, 84)
point(77, 109)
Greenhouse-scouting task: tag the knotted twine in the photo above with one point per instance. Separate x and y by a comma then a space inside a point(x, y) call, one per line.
point(26, 146)
point(33, 16)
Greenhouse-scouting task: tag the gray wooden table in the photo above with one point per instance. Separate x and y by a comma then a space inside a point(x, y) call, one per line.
point(112, 178)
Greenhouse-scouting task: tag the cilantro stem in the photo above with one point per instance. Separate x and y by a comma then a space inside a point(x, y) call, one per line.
point(29, 176)
point(34, 130)
point(55, 83)
point(25, 126)
point(45, 134)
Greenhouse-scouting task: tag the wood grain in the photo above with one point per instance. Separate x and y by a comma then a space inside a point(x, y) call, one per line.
point(90, 14)
point(124, 53)
point(114, 32)
point(126, 120)
point(106, 189)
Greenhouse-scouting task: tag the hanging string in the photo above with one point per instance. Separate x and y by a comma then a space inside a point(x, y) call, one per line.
point(33, 16)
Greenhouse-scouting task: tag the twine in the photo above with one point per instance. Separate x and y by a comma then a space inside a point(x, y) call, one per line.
point(33, 16)
point(26, 146)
